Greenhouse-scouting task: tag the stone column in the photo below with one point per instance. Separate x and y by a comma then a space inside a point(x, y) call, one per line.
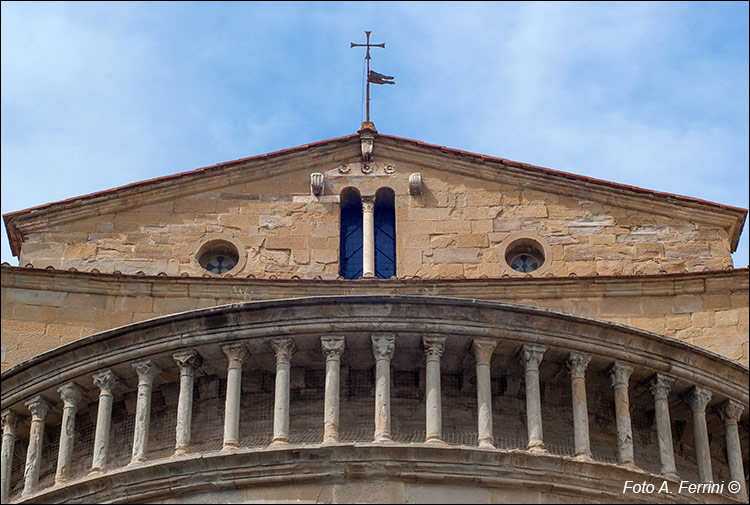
point(39, 408)
point(619, 373)
point(236, 355)
point(730, 412)
point(660, 387)
point(71, 394)
point(434, 347)
point(698, 398)
point(106, 382)
point(532, 355)
point(483, 349)
point(368, 236)
point(332, 349)
point(284, 348)
point(382, 348)
point(10, 423)
point(188, 361)
point(577, 364)
point(147, 372)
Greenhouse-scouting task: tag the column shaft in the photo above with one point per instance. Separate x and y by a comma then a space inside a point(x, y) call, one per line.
point(368, 237)
point(577, 364)
point(660, 387)
point(382, 348)
point(146, 371)
point(698, 399)
point(332, 349)
point(619, 373)
point(106, 382)
point(434, 347)
point(531, 355)
point(730, 412)
point(188, 361)
point(10, 423)
point(236, 354)
point(71, 394)
point(483, 350)
point(39, 407)
point(283, 348)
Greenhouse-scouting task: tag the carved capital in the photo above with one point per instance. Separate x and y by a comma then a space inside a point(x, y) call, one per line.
point(10, 423)
point(415, 184)
point(188, 359)
point(317, 183)
point(332, 346)
point(619, 374)
point(532, 355)
point(661, 385)
point(147, 371)
point(368, 203)
point(383, 346)
point(70, 393)
point(39, 408)
point(236, 354)
point(698, 398)
point(730, 411)
point(577, 363)
point(284, 348)
point(483, 349)
point(433, 347)
point(105, 380)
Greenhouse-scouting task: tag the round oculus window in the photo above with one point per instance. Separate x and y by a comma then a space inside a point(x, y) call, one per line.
point(524, 255)
point(218, 257)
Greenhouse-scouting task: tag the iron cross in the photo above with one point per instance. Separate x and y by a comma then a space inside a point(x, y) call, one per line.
point(367, 57)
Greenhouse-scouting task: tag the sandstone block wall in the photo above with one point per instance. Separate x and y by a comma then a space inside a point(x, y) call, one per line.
point(42, 309)
point(458, 226)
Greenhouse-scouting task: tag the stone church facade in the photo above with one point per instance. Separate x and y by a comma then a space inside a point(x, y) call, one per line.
point(375, 319)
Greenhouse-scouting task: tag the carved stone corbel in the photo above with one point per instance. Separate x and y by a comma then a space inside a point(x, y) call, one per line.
point(415, 183)
point(317, 183)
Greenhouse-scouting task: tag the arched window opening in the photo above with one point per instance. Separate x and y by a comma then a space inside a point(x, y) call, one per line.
point(350, 243)
point(385, 233)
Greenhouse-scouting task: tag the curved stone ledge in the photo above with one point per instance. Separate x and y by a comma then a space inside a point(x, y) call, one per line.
point(368, 473)
point(409, 316)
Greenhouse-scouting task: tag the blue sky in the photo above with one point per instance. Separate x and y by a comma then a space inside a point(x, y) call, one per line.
point(98, 95)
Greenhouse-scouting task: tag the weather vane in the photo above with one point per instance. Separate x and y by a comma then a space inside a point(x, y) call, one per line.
point(372, 77)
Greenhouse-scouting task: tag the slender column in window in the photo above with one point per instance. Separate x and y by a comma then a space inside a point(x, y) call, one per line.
point(382, 349)
point(730, 412)
point(147, 372)
point(39, 408)
point(532, 355)
point(332, 347)
point(105, 381)
point(577, 364)
point(10, 423)
point(483, 349)
point(236, 355)
point(368, 236)
point(188, 361)
point(434, 347)
point(619, 373)
point(71, 394)
point(698, 399)
point(283, 348)
point(660, 387)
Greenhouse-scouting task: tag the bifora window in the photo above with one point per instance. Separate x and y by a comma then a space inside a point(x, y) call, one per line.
point(350, 243)
point(385, 233)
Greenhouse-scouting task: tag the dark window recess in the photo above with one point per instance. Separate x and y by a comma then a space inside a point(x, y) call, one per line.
point(385, 234)
point(350, 250)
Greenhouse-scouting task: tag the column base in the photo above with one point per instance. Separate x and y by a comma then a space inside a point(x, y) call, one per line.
point(228, 446)
point(434, 439)
point(381, 439)
point(536, 448)
point(179, 451)
point(279, 441)
point(97, 471)
point(583, 456)
point(671, 476)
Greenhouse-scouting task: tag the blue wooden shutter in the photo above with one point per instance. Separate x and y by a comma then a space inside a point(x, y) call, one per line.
point(350, 244)
point(385, 234)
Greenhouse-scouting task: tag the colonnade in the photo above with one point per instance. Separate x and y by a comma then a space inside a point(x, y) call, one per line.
point(383, 348)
